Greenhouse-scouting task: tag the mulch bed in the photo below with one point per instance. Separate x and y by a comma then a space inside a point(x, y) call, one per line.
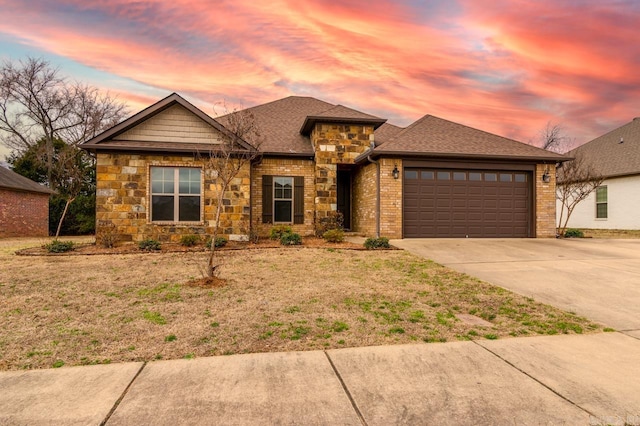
point(132, 248)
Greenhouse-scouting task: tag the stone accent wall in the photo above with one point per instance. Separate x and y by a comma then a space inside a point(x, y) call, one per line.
point(364, 198)
point(335, 144)
point(545, 198)
point(123, 198)
point(390, 198)
point(23, 214)
point(283, 167)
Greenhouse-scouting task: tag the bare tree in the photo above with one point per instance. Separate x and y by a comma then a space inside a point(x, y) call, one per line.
point(36, 103)
point(576, 180)
point(552, 138)
point(224, 162)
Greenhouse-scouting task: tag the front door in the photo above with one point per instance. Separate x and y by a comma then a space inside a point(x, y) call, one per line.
point(344, 196)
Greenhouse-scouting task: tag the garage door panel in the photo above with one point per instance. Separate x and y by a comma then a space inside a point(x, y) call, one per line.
point(457, 203)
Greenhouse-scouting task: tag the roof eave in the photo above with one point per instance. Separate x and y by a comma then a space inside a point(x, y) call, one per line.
point(555, 159)
point(311, 121)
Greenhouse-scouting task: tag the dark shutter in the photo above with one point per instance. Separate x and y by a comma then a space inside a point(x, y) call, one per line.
point(267, 199)
point(298, 199)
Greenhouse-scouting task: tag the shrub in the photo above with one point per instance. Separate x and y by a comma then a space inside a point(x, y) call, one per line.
point(149, 244)
point(333, 220)
point(220, 242)
point(189, 240)
point(290, 239)
point(57, 246)
point(334, 236)
point(107, 236)
point(278, 231)
point(376, 243)
point(573, 233)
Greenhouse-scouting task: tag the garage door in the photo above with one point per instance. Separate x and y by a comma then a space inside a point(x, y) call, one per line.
point(443, 203)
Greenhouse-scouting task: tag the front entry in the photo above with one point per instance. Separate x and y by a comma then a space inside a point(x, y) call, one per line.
point(344, 196)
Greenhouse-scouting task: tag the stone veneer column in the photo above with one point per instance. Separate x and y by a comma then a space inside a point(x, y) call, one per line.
point(335, 144)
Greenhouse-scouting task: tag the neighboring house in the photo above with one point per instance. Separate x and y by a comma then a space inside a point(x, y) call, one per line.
point(434, 178)
point(24, 206)
point(616, 203)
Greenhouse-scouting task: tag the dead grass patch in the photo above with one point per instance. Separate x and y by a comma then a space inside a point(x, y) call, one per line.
point(80, 310)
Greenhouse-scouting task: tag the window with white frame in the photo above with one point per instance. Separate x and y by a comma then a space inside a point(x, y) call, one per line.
point(602, 202)
point(282, 199)
point(175, 194)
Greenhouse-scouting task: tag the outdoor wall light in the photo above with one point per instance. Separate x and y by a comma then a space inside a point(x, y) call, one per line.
point(546, 177)
point(395, 173)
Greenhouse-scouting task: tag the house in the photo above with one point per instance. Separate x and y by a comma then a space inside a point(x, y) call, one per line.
point(616, 202)
point(24, 206)
point(434, 178)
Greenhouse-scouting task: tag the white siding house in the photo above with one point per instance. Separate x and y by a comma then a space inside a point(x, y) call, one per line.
point(616, 203)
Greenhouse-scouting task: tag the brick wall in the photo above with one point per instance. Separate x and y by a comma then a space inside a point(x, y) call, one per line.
point(122, 199)
point(364, 197)
point(545, 198)
point(23, 214)
point(390, 198)
point(283, 167)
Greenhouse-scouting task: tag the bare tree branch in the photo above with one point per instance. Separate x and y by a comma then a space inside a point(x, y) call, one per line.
point(576, 179)
point(225, 161)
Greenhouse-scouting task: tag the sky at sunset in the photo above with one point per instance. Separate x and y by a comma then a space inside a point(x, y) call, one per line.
point(508, 67)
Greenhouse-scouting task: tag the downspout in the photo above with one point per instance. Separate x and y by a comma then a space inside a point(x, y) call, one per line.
point(371, 160)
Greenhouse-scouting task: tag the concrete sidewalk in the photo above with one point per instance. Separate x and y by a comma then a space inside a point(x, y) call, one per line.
point(576, 379)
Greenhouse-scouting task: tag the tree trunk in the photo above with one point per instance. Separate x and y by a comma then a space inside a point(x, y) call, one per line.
point(64, 213)
point(210, 265)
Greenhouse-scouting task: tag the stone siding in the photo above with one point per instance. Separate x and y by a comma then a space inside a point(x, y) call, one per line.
point(364, 197)
point(335, 144)
point(123, 198)
point(545, 199)
point(23, 214)
point(283, 167)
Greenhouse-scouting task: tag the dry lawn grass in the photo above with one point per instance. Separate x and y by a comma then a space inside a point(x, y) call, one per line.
point(74, 310)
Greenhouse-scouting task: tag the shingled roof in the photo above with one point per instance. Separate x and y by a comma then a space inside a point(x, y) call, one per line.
point(279, 124)
point(12, 180)
point(616, 153)
point(437, 137)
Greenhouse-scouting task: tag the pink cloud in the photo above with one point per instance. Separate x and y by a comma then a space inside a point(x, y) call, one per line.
point(508, 67)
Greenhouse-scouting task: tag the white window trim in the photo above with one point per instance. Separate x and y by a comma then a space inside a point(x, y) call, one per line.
point(176, 195)
point(606, 202)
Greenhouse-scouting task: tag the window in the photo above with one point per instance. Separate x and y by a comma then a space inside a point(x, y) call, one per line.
point(490, 177)
point(459, 176)
point(505, 177)
point(475, 176)
point(444, 175)
point(175, 194)
point(601, 202)
point(282, 199)
point(427, 175)
point(410, 174)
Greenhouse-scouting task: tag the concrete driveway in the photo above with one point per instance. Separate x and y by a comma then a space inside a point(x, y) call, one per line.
point(596, 278)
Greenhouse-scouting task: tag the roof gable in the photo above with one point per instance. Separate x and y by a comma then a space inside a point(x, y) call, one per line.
point(171, 124)
point(12, 180)
point(616, 153)
point(438, 137)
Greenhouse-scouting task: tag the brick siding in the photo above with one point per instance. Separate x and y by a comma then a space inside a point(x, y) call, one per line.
point(283, 167)
point(545, 199)
point(23, 214)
